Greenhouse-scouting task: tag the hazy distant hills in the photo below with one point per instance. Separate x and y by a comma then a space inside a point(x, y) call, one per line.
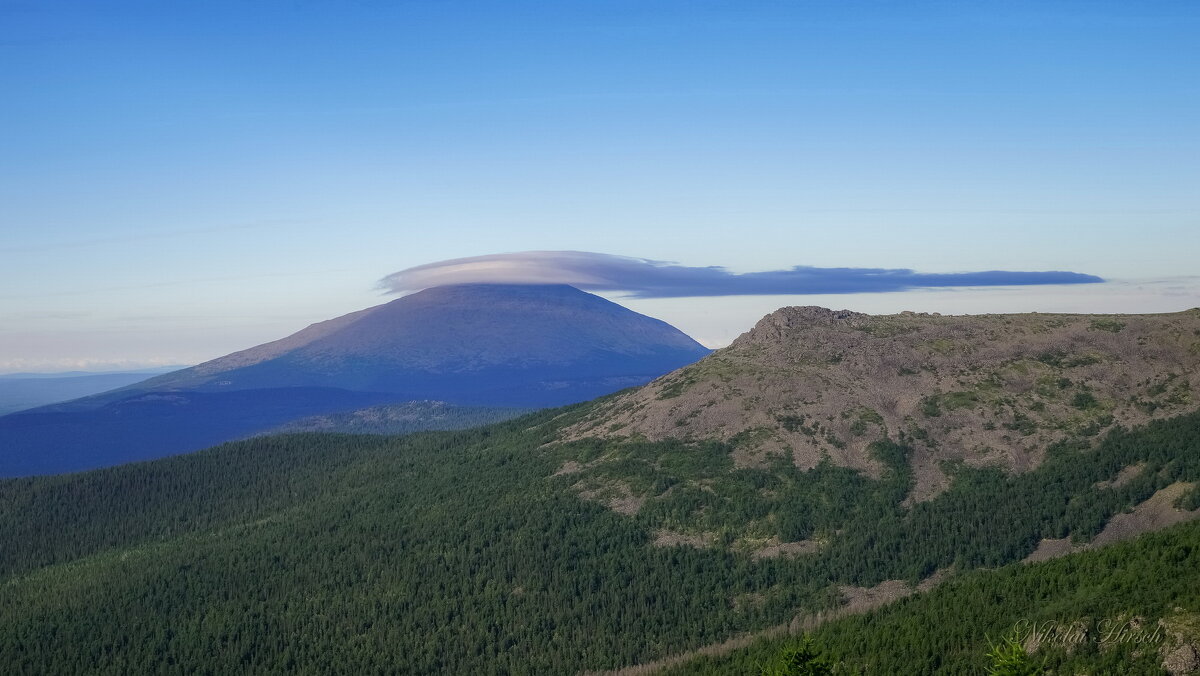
point(492, 346)
point(21, 391)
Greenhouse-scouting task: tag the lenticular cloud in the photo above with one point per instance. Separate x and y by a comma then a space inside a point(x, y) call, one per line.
point(644, 278)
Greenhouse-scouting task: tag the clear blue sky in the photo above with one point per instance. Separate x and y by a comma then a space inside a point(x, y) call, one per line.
point(182, 179)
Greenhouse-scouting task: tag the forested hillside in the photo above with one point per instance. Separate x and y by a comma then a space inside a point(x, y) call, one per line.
point(1132, 608)
point(502, 550)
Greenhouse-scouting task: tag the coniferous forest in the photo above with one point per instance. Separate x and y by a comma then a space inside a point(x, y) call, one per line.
point(471, 551)
point(1116, 610)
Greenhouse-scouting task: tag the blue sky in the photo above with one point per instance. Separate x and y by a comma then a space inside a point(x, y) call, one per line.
point(180, 180)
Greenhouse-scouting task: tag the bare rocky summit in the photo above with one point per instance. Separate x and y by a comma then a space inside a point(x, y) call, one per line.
point(813, 384)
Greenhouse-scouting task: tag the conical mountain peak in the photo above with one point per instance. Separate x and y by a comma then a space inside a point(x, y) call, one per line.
point(500, 344)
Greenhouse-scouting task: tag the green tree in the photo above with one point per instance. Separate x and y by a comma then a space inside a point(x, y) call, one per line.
point(1010, 659)
point(799, 659)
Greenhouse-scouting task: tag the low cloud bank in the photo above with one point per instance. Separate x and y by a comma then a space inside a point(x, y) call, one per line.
point(643, 278)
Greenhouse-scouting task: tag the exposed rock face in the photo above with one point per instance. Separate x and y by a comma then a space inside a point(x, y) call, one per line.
point(1182, 660)
point(813, 383)
point(778, 324)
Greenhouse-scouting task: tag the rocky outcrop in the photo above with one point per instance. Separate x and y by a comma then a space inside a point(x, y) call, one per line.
point(814, 384)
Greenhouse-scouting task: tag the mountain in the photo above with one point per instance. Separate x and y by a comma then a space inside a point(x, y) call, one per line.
point(810, 385)
point(481, 344)
point(571, 540)
point(506, 346)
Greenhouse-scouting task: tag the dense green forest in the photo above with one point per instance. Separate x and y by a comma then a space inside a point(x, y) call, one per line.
point(1117, 610)
point(471, 552)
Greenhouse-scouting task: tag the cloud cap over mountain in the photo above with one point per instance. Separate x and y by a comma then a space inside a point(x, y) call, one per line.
point(645, 278)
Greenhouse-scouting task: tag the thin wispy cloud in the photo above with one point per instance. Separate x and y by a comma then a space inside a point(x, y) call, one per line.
point(644, 278)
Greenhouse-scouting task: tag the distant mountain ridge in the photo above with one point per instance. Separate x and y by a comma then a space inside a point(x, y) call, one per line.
point(510, 346)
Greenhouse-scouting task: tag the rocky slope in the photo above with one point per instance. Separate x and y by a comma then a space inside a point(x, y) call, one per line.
point(811, 384)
